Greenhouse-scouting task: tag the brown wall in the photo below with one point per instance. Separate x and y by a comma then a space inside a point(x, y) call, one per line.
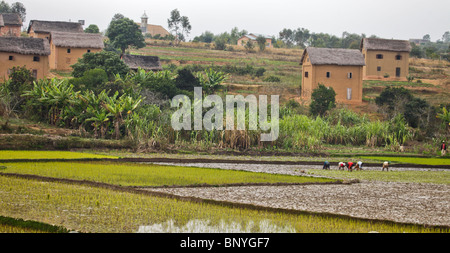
point(39, 35)
point(338, 80)
point(10, 31)
point(60, 59)
point(20, 60)
point(388, 65)
point(243, 41)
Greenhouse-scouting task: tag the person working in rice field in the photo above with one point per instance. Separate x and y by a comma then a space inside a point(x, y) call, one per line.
point(326, 165)
point(386, 165)
point(443, 148)
point(350, 166)
point(358, 165)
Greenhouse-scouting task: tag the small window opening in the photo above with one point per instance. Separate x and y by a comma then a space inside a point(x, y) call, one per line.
point(11, 57)
point(328, 74)
point(379, 56)
point(36, 58)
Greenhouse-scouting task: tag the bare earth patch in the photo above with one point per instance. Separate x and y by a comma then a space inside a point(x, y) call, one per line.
point(427, 204)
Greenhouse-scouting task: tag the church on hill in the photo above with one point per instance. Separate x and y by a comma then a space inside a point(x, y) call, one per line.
point(152, 30)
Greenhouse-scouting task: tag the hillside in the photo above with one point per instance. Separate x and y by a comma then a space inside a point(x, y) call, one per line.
point(431, 77)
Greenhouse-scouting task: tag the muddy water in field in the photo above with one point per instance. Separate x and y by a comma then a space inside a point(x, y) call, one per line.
point(400, 202)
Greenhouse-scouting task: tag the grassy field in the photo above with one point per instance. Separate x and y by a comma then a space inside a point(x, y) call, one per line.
point(131, 174)
point(30, 154)
point(94, 210)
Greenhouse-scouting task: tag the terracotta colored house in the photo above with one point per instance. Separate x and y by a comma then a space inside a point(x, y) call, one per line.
point(341, 69)
point(145, 62)
point(10, 24)
point(33, 53)
point(67, 48)
point(42, 29)
point(150, 29)
point(385, 58)
point(252, 37)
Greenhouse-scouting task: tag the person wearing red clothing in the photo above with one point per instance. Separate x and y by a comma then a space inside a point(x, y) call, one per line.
point(443, 148)
point(350, 166)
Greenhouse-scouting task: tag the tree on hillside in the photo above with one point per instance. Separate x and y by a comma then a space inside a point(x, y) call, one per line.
point(92, 29)
point(123, 33)
point(4, 7)
point(446, 37)
point(180, 25)
point(108, 61)
point(20, 9)
point(261, 43)
point(322, 99)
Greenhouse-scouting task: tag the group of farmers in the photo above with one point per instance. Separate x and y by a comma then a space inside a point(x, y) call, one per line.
point(350, 166)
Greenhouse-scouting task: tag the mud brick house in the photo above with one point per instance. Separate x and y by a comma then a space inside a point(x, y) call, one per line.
point(341, 69)
point(385, 58)
point(33, 53)
point(252, 37)
point(42, 29)
point(145, 62)
point(67, 48)
point(10, 24)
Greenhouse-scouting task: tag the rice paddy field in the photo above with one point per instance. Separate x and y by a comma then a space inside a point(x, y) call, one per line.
point(73, 195)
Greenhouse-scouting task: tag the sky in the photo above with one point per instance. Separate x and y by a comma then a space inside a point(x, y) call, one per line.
point(390, 19)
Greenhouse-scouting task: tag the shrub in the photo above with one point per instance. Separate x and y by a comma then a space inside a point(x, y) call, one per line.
point(322, 99)
point(92, 79)
point(108, 61)
point(272, 79)
point(186, 80)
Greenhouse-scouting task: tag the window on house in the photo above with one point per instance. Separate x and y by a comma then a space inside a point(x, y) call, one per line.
point(306, 74)
point(398, 57)
point(349, 93)
point(11, 58)
point(328, 74)
point(379, 56)
point(36, 58)
point(88, 50)
point(349, 75)
point(378, 68)
point(68, 50)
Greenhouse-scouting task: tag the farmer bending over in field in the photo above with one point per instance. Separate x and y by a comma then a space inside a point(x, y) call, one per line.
point(358, 165)
point(326, 165)
point(341, 165)
point(443, 148)
point(350, 166)
point(386, 165)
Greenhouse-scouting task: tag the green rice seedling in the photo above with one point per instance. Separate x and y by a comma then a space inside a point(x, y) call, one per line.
point(31, 154)
point(131, 174)
point(99, 210)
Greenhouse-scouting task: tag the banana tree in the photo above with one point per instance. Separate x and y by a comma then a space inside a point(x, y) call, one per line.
point(211, 80)
point(444, 115)
point(100, 119)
